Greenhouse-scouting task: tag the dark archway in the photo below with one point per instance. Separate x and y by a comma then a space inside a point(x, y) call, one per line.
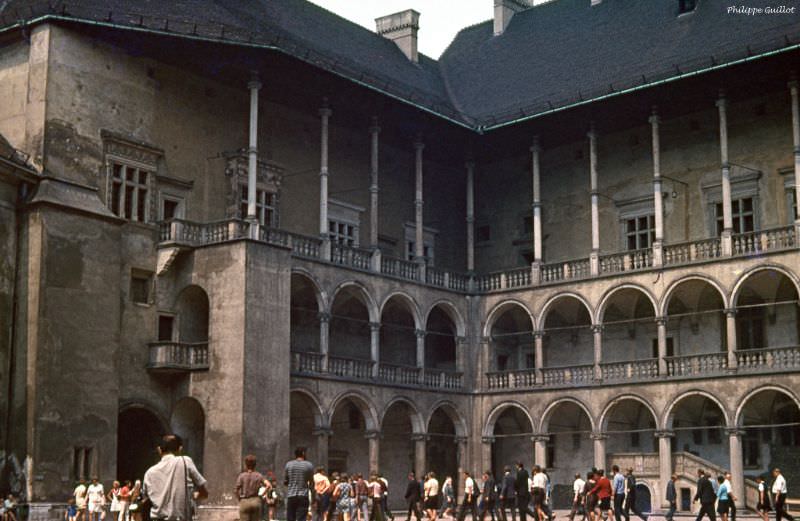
point(698, 423)
point(189, 422)
point(766, 311)
point(304, 417)
point(398, 339)
point(192, 305)
point(350, 325)
point(138, 433)
point(304, 316)
point(440, 340)
point(771, 421)
point(396, 455)
point(512, 339)
point(512, 440)
point(629, 327)
point(567, 329)
point(442, 451)
point(348, 447)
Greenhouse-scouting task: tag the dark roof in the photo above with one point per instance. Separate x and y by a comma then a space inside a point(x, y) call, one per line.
point(550, 56)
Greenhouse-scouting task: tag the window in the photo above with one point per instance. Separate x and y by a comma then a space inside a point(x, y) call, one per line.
point(411, 246)
point(140, 287)
point(640, 232)
point(750, 327)
point(342, 233)
point(265, 205)
point(82, 463)
point(166, 327)
point(686, 6)
point(129, 195)
point(171, 207)
point(742, 214)
point(344, 221)
point(428, 238)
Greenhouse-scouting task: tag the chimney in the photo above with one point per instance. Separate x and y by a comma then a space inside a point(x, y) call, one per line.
point(504, 10)
point(402, 29)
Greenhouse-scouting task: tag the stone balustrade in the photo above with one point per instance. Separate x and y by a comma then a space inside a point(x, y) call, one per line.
point(631, 370)
point(568, 375)
point(626, 261)
point(705, 364)
point(566, 270)
point(176, 357)
point(692, 251)
point(774, 358)
point(763, 241)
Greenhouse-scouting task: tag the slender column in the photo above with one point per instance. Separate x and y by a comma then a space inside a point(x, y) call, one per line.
point(540, 449)
point(793, 90)
point(595, 254)
point(252, 151)
point(658, 202)
point(730, 331)
point(420, 334)
point(727, 216)
point(737, 464)
point(487, 360)
point(374, 346)
point(470, 216)
point(537, 213)
point(324, 338)
point(664, 461)
point(420, 446)
point(323, 435)
point(461, 346)
point(661, 327)
point(374, 131)
point(461, 455)
point(486, 454)
point(419, 250)
point(599, 440)
point(324, 114)
point(373, 438)
point(597, 336)
point(538, 354)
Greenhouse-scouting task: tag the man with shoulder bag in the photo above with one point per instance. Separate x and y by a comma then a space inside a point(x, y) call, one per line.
point(166, 484)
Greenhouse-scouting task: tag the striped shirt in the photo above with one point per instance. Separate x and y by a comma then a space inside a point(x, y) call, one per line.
point(298, 474)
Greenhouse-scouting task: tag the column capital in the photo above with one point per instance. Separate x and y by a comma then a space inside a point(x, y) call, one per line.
point(325, 110)
point(654, 119)
point(535, 146)
point(372, 434)
point(420, 333)
point(469, 164)
point(792, 84)
point(324, 316)
point(419, 146)
point(419, 436)
point(488, 439)
point(730, 312)
point(254, 83)
point(592, 133)
point(461, 340)
point(540, 438)
point(460, 439)
point(374, 326)
point(486, 340)
point(599, 436)
point(597, 328)
point(661, 321)
point(664, 434)
point(373, 125)
point(734, 431)
point(538, 334)
point(721, 100)
point(322, 431)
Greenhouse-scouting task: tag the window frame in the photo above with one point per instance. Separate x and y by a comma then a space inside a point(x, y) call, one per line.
point(262, 208)
point(743, 185)
point(113, 160)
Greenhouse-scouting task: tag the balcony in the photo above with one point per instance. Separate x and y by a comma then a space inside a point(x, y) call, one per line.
point(177, 357)
point(317, 364)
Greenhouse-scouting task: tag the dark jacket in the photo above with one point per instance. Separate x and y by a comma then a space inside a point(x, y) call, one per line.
point(705, 491)
point(489, 493)
point(521, 483)
point(507, 486)
point(412, 491)
point(672, 496)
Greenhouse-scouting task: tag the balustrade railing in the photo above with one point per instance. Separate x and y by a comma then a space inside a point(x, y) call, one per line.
point(627, 261)
point(498, 379)
point(566, 270)
point(573, 375)
point(644, 369)
point(307, 362)
point(692, 251)
point(775, 358)
point(763, 240)
point(178, 356)
point(350, 367)
point(400, 268)
point(446, 279)
point(349, 256)
point(400, 374)
point(305, 246)
point(697, 365)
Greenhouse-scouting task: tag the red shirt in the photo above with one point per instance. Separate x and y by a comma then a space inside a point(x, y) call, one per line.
point(603, 488)
point(124, 494)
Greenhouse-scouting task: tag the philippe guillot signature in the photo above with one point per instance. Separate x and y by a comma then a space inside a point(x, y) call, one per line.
point(756, 11)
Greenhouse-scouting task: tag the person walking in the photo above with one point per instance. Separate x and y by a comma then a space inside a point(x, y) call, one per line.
point(508, 494)
point(618, 494)
point(376, 498)
point(247, 485)
point(577, 497)
point(342, 496)
point(80, 499)
point(671, 496)
point(165, 484)
point(630, 496)
point(723, 498)
point(732, 498)
point(321, 495)
point(590, 495)
point(385, 500)
point(362, 498)
point(470, 497)
point(603, 491)
point(448, 505)
point(779, 496)
point(539, 492)
point(522, 490)
point(412, 496)
point(97, 499)
point(706, 495)
point(431, 495)
point(489, 494)
point(763, 506)
point(298, 475)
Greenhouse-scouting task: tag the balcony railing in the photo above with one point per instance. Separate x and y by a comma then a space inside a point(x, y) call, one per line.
point(311, 363)
point(775, 358)
point(176, 357)
point(705, 364)
point(574, 375)
point(186, 233)
point(634, 370)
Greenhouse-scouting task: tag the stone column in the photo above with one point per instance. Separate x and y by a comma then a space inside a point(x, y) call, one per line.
point(373, 438)
point(793, 90)
point(420, 334)
point(486, 362)
point(540, 449)
point(599, 439)
point(252, 157)
point(461, 450)
point(737, 464)
point(727, 216)
point(730, 332)
point(461, 346)
point(538, 354)
point(420, 447)
point(419, 238)
point(486, 454)
point(374, 131)
point(658, 202)
point(664, 462)
point(537, 213)
point(324, 338)
point(470, 216)
point(324, 114)
point(323, 435)
point(597, 336)
point(594, 258)
point(661, 327)
point(374, 346)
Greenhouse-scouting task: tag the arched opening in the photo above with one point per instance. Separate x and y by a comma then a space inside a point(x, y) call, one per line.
point(512, 440)
point(512, 340)
point(192, 306)
point(629, 327)
point(569, 446)
point(766, 312)
point(348, 450)
point(189, 422)
point(695, 326)
point(643, 500)
point(303, 419)
point(771, 422)
point(304, 316)
point(138, 432)
point(442, 451)
point(698, 424)
point(567, 329)
point(630, 427)
point(398, 334)
point(396, 457)
point(349, 325)
point(440, 340)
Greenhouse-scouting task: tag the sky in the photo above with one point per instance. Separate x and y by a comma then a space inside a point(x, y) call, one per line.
point(439, 20)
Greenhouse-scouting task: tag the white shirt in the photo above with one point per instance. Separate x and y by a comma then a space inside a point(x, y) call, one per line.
point(539, 480)
point(166, 484)
point(80, 496)
point(431, 487)
point(779, 485)
point(96, 493)
point(469, 486)
point(577, 486)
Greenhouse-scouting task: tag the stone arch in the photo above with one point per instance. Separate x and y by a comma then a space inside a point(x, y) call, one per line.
point(442, 338)
point(666, 419)
point(193, 308)
point(753, 392)
point(500, 308)
point(361, 290)
point(737, 286)
point(417, 421)
point(400, 322)
point(321, 419)
point(364, 405)
point(497, 410)
point(306, 416)
point(567, 332)
point(630, 423)
point(611, 292)
point(548, 411)
point(510, 428)
point(444, 426)
point(627, 313)
point(410, 303)
point(511, 337)
point(768, 419)
point(305, 306)
point(665, 299)
point(562, 295)
point(452, 311)
point(322, 297)
point(603, 420)
point(139, 429)
point(352, 314)
point(188, 420)
point(451, 410)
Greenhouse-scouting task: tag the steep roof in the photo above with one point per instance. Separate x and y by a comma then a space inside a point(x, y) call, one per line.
point(550, 56)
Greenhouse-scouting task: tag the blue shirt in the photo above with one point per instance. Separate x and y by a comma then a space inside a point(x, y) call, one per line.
point(722, 492)
point(618, 484)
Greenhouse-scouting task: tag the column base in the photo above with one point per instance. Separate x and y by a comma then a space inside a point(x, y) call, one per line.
point(536, 273)
point(594, 263)
point(658, 254)
point(726, 243)
point(375, 261)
